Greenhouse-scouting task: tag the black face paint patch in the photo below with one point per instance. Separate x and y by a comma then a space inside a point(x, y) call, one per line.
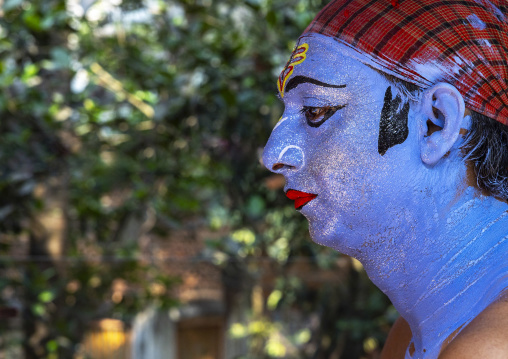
point(393, 129)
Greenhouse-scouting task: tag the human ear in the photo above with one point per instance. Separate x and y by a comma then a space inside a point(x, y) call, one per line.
point(444, 106)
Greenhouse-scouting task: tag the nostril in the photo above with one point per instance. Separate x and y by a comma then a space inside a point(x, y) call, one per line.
point(277, 166)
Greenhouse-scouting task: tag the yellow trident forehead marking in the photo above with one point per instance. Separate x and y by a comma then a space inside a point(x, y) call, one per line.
point(297, 57)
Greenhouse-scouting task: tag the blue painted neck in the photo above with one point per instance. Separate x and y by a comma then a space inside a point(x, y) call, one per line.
point(458, 271)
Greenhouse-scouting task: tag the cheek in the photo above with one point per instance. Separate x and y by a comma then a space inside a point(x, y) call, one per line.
point(346, 174)
point(345, 162)
point(345, 153)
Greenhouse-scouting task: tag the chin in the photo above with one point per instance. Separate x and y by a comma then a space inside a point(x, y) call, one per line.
point(326, 234)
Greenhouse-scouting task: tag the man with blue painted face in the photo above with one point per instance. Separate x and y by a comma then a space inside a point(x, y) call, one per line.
point(394, 146)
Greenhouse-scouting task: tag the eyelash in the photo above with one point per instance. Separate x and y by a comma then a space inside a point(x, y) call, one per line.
point(325, 112)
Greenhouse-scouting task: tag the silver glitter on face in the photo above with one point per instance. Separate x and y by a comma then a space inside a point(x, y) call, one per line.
point(426, 237)
point(338, 160)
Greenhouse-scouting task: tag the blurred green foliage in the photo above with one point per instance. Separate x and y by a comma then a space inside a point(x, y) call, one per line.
point(156, 112)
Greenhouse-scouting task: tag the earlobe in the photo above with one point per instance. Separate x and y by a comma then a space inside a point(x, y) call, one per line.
point(447, 100)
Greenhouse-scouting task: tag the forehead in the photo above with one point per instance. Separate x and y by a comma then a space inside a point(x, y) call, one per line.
point(324, 59)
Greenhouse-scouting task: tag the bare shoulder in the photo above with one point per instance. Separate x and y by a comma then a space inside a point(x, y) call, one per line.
point(484, 337)
point(397, 341)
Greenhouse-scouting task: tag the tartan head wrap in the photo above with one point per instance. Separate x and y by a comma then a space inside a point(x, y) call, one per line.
point(462, 42)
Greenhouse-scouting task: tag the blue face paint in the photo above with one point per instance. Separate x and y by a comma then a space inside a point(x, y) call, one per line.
point(432, 243)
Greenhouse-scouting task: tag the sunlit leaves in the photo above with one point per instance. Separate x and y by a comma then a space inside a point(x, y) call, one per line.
point(156, 107)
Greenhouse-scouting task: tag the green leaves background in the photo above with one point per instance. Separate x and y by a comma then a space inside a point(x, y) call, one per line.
point(117, 112)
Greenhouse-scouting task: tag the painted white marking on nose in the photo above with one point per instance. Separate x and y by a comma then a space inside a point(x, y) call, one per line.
point(283, 152)
point(280, 122)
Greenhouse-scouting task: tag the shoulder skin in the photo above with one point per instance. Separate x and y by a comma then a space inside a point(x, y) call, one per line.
point(484, 337)
point(397, 341)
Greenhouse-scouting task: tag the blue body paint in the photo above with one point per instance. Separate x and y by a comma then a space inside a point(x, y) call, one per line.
point(427, 238)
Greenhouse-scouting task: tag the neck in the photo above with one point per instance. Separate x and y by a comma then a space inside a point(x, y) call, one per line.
point(457, 263)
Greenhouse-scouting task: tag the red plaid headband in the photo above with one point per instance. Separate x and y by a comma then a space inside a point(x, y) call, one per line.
point(462, 42)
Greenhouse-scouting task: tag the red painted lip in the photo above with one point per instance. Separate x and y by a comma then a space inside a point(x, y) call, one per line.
point(300, 198)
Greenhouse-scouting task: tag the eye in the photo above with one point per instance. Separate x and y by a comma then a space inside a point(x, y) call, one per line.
point(316, 116)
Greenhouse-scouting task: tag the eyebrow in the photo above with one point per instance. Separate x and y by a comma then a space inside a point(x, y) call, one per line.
point(298, 80)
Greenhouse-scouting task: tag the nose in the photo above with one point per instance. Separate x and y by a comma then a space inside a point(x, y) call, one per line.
point(282, 152)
